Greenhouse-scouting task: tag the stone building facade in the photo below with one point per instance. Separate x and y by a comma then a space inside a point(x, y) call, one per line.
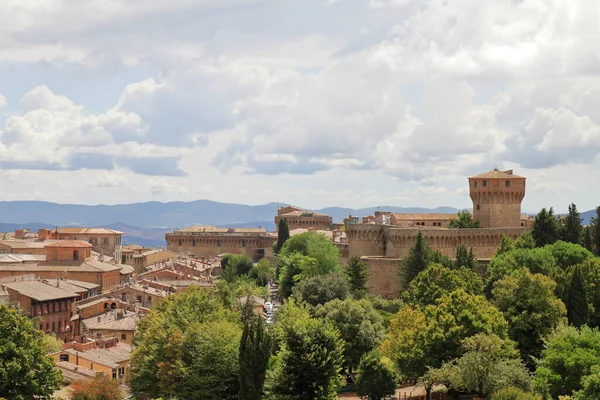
point(298, 218)
point(496, 204)
point(209, 241)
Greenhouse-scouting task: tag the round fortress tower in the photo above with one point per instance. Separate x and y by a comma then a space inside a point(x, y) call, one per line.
point(497, 197)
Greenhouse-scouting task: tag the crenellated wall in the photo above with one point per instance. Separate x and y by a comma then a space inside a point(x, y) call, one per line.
point(392, 241)
point(209, 245)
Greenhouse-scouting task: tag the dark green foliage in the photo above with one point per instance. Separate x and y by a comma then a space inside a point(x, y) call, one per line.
point(577, 299)
point(360, 326)
point(590, 386)
point(309, 362)
point(290, 268)
point(262, 272)
point(26, 372)
point(464, 220)
point(357, 274)
point(418, 258)
point(595, 231)
point(438, 258)
point(465, 258)
point(376, 381)
point(506, 245)
point(570, 355)
point(513, 393)
point(320, 289)
point(525, 241)
point(187, 347)
point(546, 228)
point(437, 281)
point(283, 234)
point(531, 309)
point(572, 231)
point(587, 239)
point(255, 351)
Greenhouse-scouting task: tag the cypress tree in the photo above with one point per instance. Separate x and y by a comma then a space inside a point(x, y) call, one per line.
point(358, 275)
point(595, 225)
point(462, 256)
point(283, 234)
point(577, 305)
point(546, 228)
point(255, 350)
point(587, 239)
point(573, 230)
point(417, 260)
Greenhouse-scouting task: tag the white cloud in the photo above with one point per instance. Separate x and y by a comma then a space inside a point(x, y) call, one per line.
point(411, 96)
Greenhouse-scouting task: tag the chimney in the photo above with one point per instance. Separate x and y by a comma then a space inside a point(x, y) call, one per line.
point(57, 282)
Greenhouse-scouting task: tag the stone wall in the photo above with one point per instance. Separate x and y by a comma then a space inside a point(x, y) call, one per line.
point(383, 276)
point(391, 241)
point(203, 245)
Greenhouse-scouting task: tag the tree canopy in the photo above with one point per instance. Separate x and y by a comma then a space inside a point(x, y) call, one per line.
point(26, 371)
point(546, 228)
point(320, 289)
point(463, 219)
point(376, 380)
point(357, 274)
point(360, 326)
point(283, 234)
point(188, 343)
point(531, 308)
point(310, 358)
point(573, 230)
point(316, 246)
point(436, 281)
point(101, 387)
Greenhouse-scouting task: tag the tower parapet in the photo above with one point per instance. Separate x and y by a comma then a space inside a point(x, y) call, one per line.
point(497, 197)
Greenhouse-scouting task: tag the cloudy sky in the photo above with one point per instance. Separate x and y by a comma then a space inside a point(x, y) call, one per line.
point(313, 102)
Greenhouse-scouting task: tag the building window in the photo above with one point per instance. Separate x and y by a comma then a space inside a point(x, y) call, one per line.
point(99, 335)
point(139, 298)
point(484, 183)
point(114, 374)
point(123, 336)
point(218, 243)
point(59, 325)
point(478, 206)
point(522, 224)
point(75, 255)
point(475, 183)
point(53, 326)
point(149, 298)
point(507, 183)
point(64, 357)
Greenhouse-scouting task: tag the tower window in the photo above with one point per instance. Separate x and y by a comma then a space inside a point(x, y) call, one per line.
point(478, 206)
point(484, 183)
point(507, 183)
point(475, 184)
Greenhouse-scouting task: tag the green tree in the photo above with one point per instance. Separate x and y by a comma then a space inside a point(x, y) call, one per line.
point(187, 346)
point(436, 281)
point(101, 387)
point(376, 380)
point(506, 245)
point(531, 309)
point(570, 355)
point(429, 336)
point(525, 241)
point(262, 272)
point(587, 239)
point(26, 372)
point(546, 228)
point(321, 289)
point(590, 386)
point(577, 299)
point(310, 358)
point(290, 270)
point(595, 228)
point(52, 343)
point(465, 258)
point(464, 220)
point(360, 326)
point(417, 259)
point(283, 234)
point(573, 230)
point(316, 246)
point(358, 275)
point(256, 345)
point(487, 365)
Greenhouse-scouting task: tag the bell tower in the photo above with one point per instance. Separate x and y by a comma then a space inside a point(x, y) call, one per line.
point(497, 197)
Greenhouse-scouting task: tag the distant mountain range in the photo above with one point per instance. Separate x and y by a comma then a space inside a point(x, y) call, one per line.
point(146, 223)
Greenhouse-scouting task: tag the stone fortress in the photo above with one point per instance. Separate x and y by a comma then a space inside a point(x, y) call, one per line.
point(496, 197)
point(383, 239)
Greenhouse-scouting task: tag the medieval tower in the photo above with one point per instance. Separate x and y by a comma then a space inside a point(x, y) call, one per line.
point(497, 197)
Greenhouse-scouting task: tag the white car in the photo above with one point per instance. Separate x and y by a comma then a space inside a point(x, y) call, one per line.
point(268, 305)
point(269, 320)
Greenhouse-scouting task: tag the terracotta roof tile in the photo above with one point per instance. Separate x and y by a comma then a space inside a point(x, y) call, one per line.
point(496, 173)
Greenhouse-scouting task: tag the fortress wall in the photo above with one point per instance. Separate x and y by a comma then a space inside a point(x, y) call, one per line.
point(212, 245)
point(366, 239)
point(383, 276)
